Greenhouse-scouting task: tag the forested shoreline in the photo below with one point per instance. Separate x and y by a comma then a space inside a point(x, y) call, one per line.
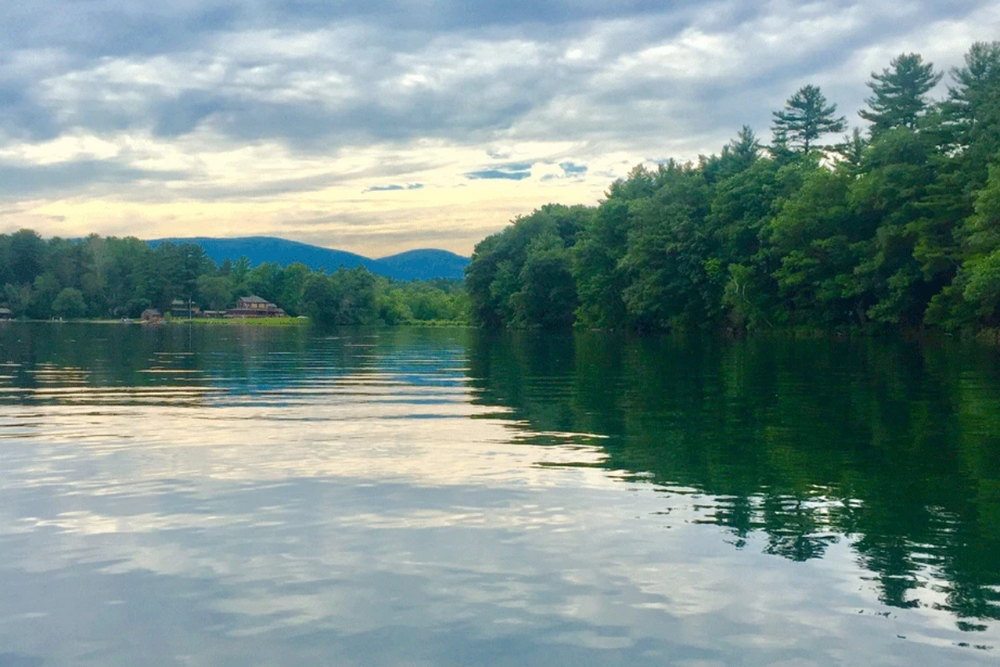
point(895, 227)
point(110, 277)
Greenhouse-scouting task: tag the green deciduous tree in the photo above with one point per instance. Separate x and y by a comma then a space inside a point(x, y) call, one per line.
point(44, 290)
point(215, 291)
point(69, 303)
point(26, 255)
point(814, 240)
point(974, 296)
point(345, 297)
point(17, 298)
point(547, 297)
point(672, 280)
point(597, 255)
point(887, 205)
point(496, 278)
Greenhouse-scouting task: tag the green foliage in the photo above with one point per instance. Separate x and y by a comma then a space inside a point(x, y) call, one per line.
point(899, 94)
point(69, 303)
point(217, 291)
point(289, 285)
point(522, 276)
point(17, 298)
point(120, 277)
point(899, 229)
point(974, 297)
point(344, 297)
point(600, 278)
point(664, 262)
point(421, 301)
point(886, 204)
point(44, 290)
point(813, 237)
point(973, 112)
point(547, 297)
point(805, 118)
point(239, 270)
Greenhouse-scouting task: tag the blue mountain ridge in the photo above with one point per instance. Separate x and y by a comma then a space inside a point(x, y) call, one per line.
point(424, 264)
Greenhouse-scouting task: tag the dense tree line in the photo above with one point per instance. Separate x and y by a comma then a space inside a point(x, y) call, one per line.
point(108, 277)
point(897, 226)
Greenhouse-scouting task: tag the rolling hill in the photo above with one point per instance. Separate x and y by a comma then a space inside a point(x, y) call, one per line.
point(426, 264)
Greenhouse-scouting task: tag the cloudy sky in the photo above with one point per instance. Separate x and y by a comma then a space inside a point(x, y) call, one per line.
point(382, 125)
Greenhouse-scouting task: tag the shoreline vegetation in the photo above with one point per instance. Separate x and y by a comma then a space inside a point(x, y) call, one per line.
point(110, 278)
point(299, 321)
point(893, 230)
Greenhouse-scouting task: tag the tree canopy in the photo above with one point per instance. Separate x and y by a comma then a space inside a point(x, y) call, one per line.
point(894, 227)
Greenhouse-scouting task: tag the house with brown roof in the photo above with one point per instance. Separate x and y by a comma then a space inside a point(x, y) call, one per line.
point(254, 306)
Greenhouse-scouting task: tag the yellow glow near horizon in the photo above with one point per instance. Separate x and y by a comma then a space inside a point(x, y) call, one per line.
point(342, 201)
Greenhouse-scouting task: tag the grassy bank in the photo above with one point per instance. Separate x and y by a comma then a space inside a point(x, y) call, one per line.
point(245, 321)
point(301, 321)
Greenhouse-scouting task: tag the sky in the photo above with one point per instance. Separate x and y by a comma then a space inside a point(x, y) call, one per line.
point(378, 126)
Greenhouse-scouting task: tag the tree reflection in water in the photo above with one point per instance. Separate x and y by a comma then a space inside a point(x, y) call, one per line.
point(893, 446)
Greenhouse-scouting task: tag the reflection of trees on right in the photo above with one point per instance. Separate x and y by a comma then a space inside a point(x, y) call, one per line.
point(893, 447)
point(794, 529)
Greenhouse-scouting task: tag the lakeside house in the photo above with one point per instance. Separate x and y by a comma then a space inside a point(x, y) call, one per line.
point(5, 313)
point(152, 316)
point(181, 308)
point(254, 306)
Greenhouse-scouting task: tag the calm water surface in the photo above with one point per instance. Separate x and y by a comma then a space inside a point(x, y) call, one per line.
point(246, 496)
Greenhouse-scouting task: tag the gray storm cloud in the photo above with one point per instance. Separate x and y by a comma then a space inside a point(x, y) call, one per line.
point(321, 74)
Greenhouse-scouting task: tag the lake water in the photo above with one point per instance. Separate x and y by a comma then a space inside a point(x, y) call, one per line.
point(404, 497)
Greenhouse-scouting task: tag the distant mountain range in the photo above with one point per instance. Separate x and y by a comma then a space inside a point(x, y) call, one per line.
point(411, 265)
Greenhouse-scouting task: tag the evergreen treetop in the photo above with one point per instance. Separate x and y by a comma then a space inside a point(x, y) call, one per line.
point(805, 118)
point(899, 93)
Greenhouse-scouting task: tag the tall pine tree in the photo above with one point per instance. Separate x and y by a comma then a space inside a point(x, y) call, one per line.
point(899, 94)
point(973, 111)
point(805, 118)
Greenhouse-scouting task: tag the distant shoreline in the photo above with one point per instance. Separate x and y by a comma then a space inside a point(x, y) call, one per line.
point(251, 321)
point(236, 321)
